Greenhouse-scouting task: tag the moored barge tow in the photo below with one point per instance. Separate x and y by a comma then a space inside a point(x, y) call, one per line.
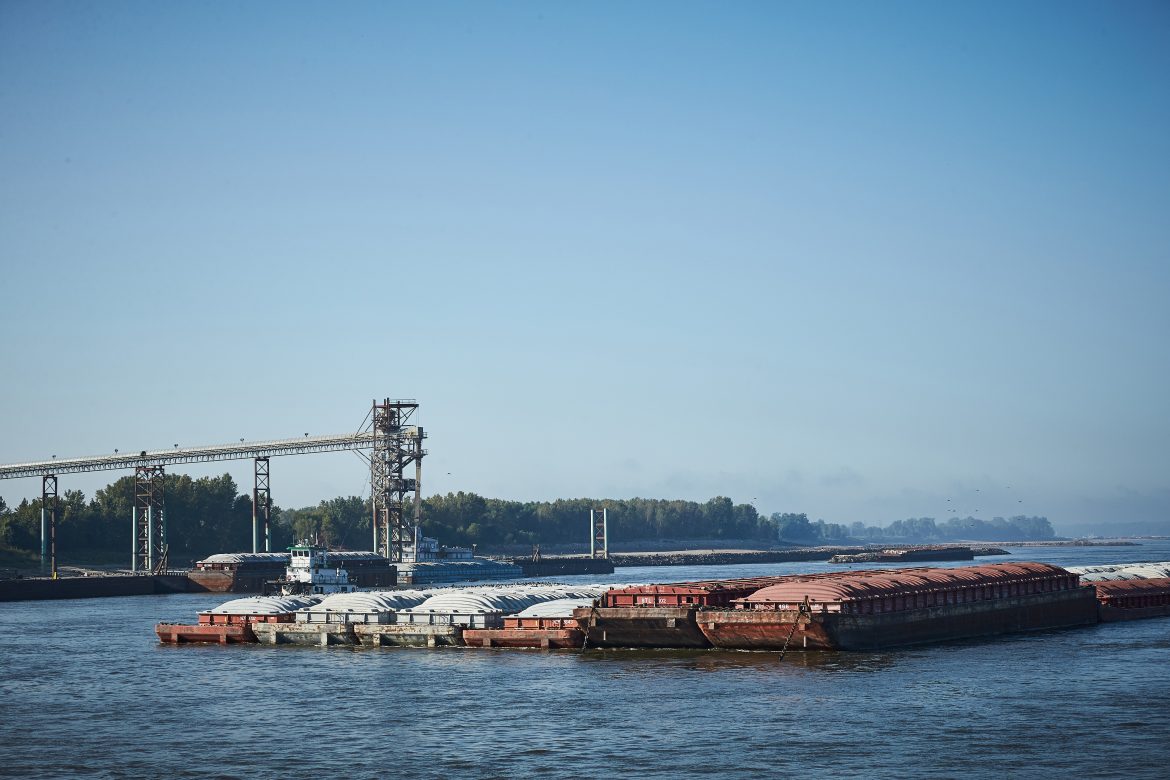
point(858, 610)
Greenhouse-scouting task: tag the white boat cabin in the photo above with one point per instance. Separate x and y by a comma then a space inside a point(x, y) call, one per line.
point(309, 572)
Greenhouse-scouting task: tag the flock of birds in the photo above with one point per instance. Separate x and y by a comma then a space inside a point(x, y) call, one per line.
point(952, 507)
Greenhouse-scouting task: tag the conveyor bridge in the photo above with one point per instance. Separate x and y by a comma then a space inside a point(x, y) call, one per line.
point(392, 446)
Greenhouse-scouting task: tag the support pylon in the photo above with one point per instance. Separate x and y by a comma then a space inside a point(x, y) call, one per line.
point(598, 533)
point(49, 508)
point(261, 507)
point(150, 525)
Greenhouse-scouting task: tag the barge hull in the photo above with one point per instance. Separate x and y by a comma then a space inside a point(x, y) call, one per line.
point(536, 638)
point(767, 630)
point(563, 566)
point(739, 629)
point(408, 635)
point(1108, 614)
point(651, 627)
point(220, 633)
point(1062, 609)
point(43, 588)
point(311, 634)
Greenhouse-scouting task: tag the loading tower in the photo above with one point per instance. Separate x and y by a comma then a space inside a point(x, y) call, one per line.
point(150, 520)
point(396, 500)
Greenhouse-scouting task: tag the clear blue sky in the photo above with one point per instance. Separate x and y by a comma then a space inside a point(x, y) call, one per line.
point(850, 259)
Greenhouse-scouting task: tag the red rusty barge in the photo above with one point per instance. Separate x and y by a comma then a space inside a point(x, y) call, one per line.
point(660, 616)
point(843, 611)
point(889, 608)
point(231, 623)
point(1132, 599)
point(547, 633)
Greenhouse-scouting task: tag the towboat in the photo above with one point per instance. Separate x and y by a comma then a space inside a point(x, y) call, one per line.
point(307, 579)
point(310, 572)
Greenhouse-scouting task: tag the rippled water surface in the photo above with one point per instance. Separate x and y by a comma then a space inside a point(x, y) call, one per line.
point(86, 690)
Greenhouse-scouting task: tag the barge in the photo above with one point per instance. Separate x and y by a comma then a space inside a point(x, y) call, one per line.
point(909, 554)
point(891, 608)
point(845, 611)
point(1133, 599)
point(562, 633)
point(89, 586)
point(660, 616)
point(232, 622)
point(1124, 571)
point(547, 626)
point(859, 610)
point(433, 563)
point(563, 565)
point(251, 572)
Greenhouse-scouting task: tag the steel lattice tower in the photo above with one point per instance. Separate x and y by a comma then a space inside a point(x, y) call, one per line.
point(396, 446)
point(150, 524)
point(261, 506)
point(49, 509)
point(599, 533)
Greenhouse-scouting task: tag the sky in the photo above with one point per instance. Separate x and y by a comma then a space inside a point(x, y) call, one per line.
point(864, 261)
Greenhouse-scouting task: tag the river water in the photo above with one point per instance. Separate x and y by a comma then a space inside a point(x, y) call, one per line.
point(87, 691)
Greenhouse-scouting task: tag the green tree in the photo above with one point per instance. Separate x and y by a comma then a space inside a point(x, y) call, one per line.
point(791, 527)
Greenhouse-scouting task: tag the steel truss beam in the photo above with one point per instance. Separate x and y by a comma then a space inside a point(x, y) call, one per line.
point(201, 454)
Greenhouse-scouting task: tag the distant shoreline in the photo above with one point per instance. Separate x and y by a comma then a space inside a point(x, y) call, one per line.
point(1082, 543)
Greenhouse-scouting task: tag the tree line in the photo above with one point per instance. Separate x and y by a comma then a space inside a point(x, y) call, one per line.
point(466, 518)
point(797, 529)
point(209, 515)
point(203, 516)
